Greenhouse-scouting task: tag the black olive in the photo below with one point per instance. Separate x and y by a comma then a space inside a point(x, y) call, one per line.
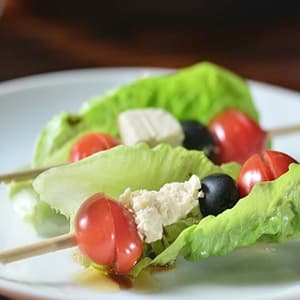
point(198, 137)
point(220, 192)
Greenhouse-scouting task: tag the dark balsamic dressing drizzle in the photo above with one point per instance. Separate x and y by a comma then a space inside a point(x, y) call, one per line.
point(104, 280)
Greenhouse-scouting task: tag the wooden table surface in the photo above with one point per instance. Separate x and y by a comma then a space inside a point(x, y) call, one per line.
point(31, 44)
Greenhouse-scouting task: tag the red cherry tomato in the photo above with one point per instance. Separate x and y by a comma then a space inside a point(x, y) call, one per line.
point(91, 143)
point(94, 229)
point(265, 167)
point(106, 233)
point(236, 135)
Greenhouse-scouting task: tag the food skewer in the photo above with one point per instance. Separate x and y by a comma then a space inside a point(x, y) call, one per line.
point(90, 217)
point(124, 250)
point(30, 174)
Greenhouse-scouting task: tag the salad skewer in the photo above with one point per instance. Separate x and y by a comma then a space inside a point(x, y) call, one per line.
point(105, 232)
point(32, 173)
point(93, 232)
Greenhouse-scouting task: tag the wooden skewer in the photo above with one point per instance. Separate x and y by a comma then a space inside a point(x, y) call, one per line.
point(39, 248)
point(30, 174)
point(275, 132)
point(24, 175)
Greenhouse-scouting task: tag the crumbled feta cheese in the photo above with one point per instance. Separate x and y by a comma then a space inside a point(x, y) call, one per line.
point(154, 209)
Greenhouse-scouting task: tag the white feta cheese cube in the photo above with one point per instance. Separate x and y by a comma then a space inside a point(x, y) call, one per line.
point(150, 125)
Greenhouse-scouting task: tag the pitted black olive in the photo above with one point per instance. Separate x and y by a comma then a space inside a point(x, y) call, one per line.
point(220, 192)
point(198, 137)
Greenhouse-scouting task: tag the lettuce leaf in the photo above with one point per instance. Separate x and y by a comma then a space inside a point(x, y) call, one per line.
point(270, 213)
point(112, 171)
point(197, 92)
point(45, 220)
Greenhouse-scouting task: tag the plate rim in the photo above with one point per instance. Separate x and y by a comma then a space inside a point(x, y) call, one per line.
point(42, 79)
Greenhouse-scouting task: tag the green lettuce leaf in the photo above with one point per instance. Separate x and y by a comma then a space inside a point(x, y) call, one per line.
point(24, 198)
point(232, 169)
point(270, 213)
point(197, 92)
point(112, 171)
point(45, 220)
point(48, 222)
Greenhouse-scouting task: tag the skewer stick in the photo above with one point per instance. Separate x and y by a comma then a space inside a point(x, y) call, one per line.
point(31, 174)
point(39, 248)
point(275, 132)
point(24, 175)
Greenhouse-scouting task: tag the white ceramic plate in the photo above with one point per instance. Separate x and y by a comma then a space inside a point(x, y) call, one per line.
point(258, 272)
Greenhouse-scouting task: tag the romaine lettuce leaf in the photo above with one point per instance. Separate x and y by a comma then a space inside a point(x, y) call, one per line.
point(24, 198)
point(112, 171)
point(270, 213)
point(45, 220)
point(48, 222)
point(197, 92)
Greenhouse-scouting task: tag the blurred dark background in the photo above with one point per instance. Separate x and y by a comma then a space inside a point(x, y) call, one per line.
point(258, 39)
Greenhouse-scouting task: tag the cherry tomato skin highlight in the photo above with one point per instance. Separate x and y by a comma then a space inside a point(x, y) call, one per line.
point(265, 167)
point(91, 143)
point(106, 233)
point(237, 136)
